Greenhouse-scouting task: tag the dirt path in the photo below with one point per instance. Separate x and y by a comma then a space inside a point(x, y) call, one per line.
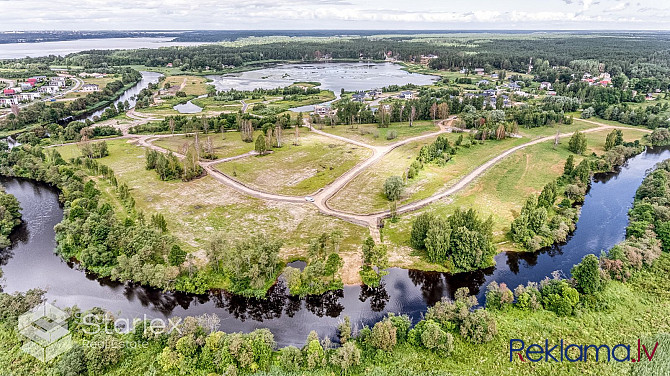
point(371, 221)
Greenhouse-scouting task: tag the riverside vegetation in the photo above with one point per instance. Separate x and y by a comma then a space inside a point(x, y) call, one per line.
point(439, 344)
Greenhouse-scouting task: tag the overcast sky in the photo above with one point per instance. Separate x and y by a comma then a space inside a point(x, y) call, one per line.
point(334, 14)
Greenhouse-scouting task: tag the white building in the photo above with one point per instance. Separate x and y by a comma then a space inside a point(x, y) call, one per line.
point(8, 101)
point(323, 110)
point(48, 89)
point(90, 88)
point(27, 96)
point(57, 81)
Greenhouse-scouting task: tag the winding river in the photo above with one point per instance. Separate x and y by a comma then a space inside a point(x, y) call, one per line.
point(129, 95)
point(30, 263)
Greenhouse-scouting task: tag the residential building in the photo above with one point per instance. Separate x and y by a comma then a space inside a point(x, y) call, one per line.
point(479, 71)
point(9, 91)
point(90, 88)
point(425, 59)
point(8, 101)
point(26, 97)
point(323, 110)
point(26, 86)
point(57, 81)
point(358, 97)
point(48, 89)
point(406, 95)
point(545, 85)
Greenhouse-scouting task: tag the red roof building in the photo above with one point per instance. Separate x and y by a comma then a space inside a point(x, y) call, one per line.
point(9, 92)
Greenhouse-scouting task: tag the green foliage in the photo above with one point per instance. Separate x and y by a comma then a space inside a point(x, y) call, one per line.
point(320, 274)
point(463, 239)
point(260, 145)
point(177, 256)
point(10, 216)
point(498, 297)
point(479, 326)
point(436, 339)
point(587, 275)
point(420, 228)
point(569, 165)
point(577, 143)
point(252, 265)
point(393, 188)
point(559, 297)
point(384, 335)
point(94, 149)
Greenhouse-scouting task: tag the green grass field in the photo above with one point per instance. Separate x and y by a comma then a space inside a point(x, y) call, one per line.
point(364, 193)
point(231, 146)
point(373, 135)
point(198, 209)
point(297, 170)
point(499, 192)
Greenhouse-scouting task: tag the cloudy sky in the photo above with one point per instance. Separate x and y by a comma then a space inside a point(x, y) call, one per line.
point(334, 14)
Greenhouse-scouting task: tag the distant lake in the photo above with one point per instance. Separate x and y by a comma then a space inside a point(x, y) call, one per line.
point(61, 48)
point(332, 76)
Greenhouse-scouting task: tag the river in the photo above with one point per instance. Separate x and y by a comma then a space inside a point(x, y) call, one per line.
point(30, 262)
point(62, 48)
point(129, 95)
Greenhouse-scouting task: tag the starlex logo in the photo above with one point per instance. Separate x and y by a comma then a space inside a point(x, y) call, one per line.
point(579, 353)
point(46, 328)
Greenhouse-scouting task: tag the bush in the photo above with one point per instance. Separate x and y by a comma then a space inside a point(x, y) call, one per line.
point(528, 297)
point(393, 188)
point(436, 339)
point(479, 327)
point(420, 227)
point(498, 296)
point(559, 297)
point(384, 335)
point(290, 358)
point(587, 275)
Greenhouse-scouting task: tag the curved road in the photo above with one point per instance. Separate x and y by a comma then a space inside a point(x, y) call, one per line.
point(322, 196)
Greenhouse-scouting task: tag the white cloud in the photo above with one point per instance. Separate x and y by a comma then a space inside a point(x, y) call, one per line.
point(330, 14)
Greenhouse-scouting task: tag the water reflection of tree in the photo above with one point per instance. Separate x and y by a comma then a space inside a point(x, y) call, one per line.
point(19, 235)
point(433, 286)
point(327, 304)
point(379, 297)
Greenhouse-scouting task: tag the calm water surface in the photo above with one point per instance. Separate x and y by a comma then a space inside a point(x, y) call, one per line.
point(30, 263)
point(62, 48)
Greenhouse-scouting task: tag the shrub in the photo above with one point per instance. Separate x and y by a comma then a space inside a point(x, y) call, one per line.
point(559, 297)
point(498, 296)
point(528, 297)
point(436, 339)
point(587, 275)
point(420, 227)
point(290, 358)
point(393, 188)
point(384, 335)
point(479, 327)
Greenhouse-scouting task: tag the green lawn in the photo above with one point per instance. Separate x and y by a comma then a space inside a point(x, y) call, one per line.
point(297, 170)
point(231, 146)
point(198, 209)
point(499, 192)
point(373, 135)
point(364, 193)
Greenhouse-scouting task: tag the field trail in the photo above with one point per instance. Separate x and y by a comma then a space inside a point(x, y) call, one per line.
point(352, 261)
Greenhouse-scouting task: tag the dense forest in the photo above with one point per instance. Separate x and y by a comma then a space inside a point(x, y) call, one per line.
point(638, 55)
